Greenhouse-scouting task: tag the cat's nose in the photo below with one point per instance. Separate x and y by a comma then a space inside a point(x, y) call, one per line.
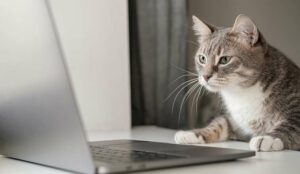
point(207, 77)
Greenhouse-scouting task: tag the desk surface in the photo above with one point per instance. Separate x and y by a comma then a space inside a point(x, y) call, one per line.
point(264, 162)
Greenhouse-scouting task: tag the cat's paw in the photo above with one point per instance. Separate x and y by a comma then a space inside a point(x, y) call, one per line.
point(266, 143)
point(188, 137)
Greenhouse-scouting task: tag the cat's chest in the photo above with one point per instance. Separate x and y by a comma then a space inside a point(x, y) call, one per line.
point(245, 106)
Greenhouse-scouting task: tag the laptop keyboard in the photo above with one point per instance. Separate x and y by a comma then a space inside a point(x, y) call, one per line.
point(116, 155)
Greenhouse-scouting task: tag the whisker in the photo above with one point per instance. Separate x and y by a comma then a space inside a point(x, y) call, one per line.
point(202, 92)
point(179, 87)
point(194, 99)
point(205, 92)
point(185, 98)
point(184, 69)
point(180, 92)
point(197, 99)
point(185, 75)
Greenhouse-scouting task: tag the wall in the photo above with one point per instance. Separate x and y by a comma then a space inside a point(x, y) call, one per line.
point(94, 37)
point(278, 20)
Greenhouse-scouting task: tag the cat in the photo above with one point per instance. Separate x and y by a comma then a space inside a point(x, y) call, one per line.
point(259, 86)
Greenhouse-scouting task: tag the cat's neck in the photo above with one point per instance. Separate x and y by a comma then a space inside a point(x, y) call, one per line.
point(238, 94)
point(244, 105)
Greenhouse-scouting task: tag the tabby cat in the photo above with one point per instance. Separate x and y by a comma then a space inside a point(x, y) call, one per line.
point(258, 84)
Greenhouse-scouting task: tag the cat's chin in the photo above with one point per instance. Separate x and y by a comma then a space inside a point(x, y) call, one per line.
point(209, 86)
point(212, 88)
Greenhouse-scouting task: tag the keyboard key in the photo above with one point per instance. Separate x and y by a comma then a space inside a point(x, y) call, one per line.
point(115, 155)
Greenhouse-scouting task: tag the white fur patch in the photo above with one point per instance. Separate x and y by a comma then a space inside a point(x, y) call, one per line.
point(188, 137)
point(266, 143)
point(244, 105)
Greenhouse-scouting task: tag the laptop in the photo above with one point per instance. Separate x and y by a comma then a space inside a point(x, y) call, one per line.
point(39, 118)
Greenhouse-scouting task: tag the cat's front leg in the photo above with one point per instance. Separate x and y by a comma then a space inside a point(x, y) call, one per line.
point(284, 136)
point(266, 143)
point(217, 130)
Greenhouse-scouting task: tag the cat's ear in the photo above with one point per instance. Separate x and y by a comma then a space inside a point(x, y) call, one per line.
point(246, 30)
point(200, 28)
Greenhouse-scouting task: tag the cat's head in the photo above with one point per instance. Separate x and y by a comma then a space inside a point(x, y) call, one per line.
point(229, 57)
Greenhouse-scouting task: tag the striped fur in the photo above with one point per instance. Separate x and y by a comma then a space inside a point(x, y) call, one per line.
point(260, 88)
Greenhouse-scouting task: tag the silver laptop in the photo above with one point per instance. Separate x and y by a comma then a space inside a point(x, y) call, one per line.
point(39, 118)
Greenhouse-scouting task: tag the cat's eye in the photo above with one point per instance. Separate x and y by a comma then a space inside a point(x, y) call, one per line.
point(202, 59)
point(224, 60)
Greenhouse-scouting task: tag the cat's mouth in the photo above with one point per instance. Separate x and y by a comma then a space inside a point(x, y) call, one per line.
point(210, 85)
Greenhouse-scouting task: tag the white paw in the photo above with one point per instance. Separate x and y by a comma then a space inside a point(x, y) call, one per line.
point(266, 143)
point(188, 137)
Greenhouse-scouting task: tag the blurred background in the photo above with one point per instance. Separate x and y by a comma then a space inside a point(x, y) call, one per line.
point(131, 61)
point(162, 47)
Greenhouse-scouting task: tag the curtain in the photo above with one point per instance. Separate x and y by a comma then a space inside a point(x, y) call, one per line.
point(160, 64)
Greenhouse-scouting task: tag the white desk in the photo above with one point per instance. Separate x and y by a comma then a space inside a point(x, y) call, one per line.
point(264, 162)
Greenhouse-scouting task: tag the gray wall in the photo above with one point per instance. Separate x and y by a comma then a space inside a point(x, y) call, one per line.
point(278, 20)
point(94, 37)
